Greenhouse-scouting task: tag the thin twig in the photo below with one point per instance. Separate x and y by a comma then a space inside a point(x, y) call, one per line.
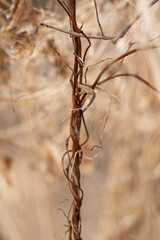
point(89, 66)
point(123, 32)
point(126, 54)
point(153, 2)
point(97, 16)
point(60, 209)
point(75, 34)
point(65, 62)
point(130, 75)
point(114, 39)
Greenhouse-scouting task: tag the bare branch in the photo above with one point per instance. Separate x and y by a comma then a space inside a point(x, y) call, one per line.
point(120, 58)
point(122, 33)
point(96, 82)
point(130, 75)
point(153, 2)
point(99, 24)
point(57, 52)
point(75, 34)
point(114, 39)
point(89, 66)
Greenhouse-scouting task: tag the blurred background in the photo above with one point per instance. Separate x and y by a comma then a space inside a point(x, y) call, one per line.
point(121, 180)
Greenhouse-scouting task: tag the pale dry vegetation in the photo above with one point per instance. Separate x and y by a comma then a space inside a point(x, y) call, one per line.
point(121, 177)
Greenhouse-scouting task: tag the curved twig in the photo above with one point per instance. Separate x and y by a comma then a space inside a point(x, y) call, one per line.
point(126, 54)
point(130, 75)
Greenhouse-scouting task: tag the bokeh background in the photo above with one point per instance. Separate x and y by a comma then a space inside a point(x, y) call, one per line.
point(121, 180)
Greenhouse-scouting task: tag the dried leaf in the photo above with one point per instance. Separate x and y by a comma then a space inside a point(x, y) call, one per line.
point(4, 66)
point(5, 3)
point(23, 26)
point(5, 168)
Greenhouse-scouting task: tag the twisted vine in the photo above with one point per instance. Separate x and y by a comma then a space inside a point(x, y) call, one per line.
point(72, 158)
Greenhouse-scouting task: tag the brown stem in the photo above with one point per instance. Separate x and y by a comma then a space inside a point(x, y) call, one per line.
point(75, 34)
point(72, 171)
point(136, 76)
point(97, 16)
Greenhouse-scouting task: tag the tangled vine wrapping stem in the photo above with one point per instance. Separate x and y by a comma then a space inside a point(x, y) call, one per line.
point(72, 158)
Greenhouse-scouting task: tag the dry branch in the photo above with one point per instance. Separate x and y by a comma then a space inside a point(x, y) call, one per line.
point(123, 32)
point(136, 76)
point(118, 59)
point(75, 34)
point(114, 39)
point(97, 16)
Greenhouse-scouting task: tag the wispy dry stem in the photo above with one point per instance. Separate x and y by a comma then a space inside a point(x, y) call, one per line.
point(97, 16)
